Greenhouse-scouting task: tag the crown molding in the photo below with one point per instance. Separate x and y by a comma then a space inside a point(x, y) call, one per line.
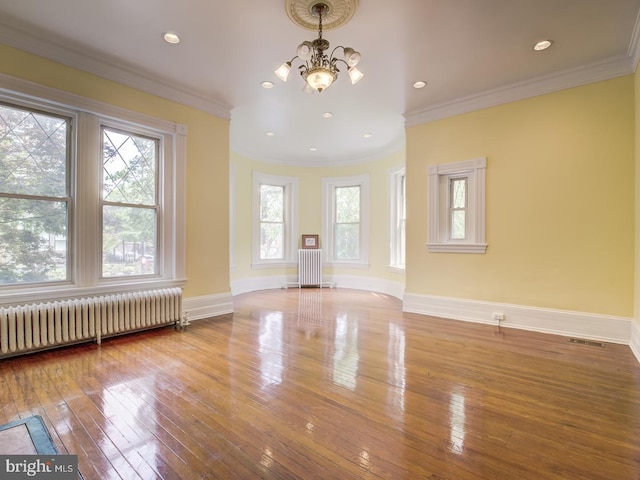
point(595, 72)
point(634, 44)
point(18, 36)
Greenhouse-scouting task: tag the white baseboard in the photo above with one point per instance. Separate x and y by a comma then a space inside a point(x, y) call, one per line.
point(255, 284)
point(369, 284)
point(207, 306)
point(635, 339)
point(605, 328)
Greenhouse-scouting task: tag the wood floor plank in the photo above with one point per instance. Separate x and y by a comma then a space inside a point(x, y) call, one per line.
point(324, 384)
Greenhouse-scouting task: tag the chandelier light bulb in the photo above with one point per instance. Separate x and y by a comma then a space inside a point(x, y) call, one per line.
point(355, 75)
point(320, 78)
point(283, 71)
point(351, 56)
point(305, 50)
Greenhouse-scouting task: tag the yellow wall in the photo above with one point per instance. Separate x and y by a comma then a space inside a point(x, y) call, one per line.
point(310, 211)
point(561, 178)
point(560, 201)
point(207, 160)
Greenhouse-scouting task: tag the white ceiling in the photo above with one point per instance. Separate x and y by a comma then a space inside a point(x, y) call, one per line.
point(472, 53)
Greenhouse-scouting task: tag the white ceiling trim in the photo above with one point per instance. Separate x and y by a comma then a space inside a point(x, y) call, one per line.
point(17, 37)
point(614, 67)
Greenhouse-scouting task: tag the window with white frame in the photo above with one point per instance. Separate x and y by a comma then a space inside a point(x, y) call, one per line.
point(35, 199)
point(89, 195)
point(275, 220)
point(397, 217)
point(129, 203)
point(456, 208)
point(346, 220)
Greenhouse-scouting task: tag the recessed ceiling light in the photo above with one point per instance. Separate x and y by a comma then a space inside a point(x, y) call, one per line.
point(542, 45)
point(327, 114)
point(313, 149)
point(420, 84)
point(171, 37)
point(269, 134)
point(368, 135)
point(267, 84)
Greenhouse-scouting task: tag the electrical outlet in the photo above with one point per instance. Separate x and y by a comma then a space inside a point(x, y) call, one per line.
point(498, 317)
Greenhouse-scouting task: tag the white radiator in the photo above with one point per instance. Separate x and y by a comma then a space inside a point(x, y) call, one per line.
point(309, 267)
point(26, 328)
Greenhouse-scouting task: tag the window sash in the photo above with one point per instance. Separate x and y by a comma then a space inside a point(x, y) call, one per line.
point(337, 252)
point(346, 237)
point(274, 221)
point(130, 208)
point(458, 203)
point(35, 197)
point(397, 217)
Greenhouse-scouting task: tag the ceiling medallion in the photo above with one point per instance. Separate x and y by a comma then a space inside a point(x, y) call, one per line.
point(338, 13)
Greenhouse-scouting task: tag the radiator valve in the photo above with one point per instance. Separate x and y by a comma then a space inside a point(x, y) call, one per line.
point(184, 321)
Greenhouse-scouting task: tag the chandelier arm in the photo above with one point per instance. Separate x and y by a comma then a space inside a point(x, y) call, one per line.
point(334, 50)
point(336, 60)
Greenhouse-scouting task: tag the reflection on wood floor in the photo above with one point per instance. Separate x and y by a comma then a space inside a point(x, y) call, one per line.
point(335, 384)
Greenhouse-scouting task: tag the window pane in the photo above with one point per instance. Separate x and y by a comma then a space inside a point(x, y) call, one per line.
point(33, 153)
point(458, 227)
point(129, 164)
point(459, 193)
point(403, 197)
point(271, 203)
point(128, 241)
point(347, 204)
point(33, 241)
point(403, 216)
point(271, 241)
point(402, 240)
point(348, 241)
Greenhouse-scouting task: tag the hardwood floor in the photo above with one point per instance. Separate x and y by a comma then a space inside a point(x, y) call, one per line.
point(335, 384)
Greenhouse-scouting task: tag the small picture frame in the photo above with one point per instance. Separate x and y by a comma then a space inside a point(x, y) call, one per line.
point(310, 241)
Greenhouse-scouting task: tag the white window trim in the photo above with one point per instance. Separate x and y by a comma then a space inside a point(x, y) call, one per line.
point(290, 185)
point(329, 185)
point(438, 237)
point(88, 115)
point(395, 176)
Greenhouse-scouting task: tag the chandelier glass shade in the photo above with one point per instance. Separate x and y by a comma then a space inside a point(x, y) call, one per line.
point(320, 70)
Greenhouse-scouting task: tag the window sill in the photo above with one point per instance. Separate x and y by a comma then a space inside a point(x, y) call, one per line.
point(41, 293)
point(457, 247)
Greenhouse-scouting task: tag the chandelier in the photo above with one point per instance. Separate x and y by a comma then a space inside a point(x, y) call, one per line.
point(319, 69)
